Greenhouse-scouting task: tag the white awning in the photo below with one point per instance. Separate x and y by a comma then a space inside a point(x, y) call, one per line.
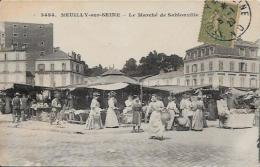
point(4, 86)
point(114, 86)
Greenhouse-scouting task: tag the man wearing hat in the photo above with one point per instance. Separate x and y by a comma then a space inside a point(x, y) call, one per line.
point(16, 103)
point(173, 110)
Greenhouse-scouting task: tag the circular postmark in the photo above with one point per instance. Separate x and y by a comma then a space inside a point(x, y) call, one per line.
point(228, 21)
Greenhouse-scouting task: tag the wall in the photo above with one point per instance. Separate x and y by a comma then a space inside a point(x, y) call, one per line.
point(13, 67)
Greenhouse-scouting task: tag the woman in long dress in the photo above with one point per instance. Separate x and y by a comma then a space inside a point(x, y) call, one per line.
point(111, 118)
point(185, 106)
point(197, 119)
point(94, 120)
point(155, 123)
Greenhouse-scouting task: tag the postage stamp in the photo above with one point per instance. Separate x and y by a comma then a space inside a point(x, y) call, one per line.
point(221, 22)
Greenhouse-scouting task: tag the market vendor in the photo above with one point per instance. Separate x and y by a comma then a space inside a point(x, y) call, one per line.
point(56, 107)
point(128, 104)
point(223, 111)
point(231, 100)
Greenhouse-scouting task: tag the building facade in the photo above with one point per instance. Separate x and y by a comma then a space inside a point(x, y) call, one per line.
point(13, 68)
point(165, 79)
point(221, 66)
point(35, 39)
point(59, 69)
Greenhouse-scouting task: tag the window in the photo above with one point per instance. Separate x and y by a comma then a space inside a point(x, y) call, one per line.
point(210, 80)
point(252, 52)
point(41, 67)
point(42, 53)
point(17, 56)
point(63, 66)
point(187, 69)
point(242, 67)
point(202, 67)
point(242, 51)
point(188, 82)
point(77, 68)
point(3, 35)
point(232, 66)
point(202, 81)
point(52, 67)
point(17, 66)
point(52, 82)
point(211, 50)
point(199, 53)
point(253, 67)
point(220, 66)
point(220, 80)
point(194, 68)
point(253, 83)
point(6, 67)
point(25, 26)
point(242, 81)
point(63, 79)
point(25, 45)
point(15, 45)
point(210, 66)
point(41, 79)
point(232, 81)
point(202, 52)
point(207, 51)
point(194, 82)
point(41, 26)
point(42, 43)
point(15, 34)
point(6, 58)
point(24, 35)
point(178, 81)
point(14, 25)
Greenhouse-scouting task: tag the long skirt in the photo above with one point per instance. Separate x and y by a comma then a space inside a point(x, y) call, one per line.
point(111, 119)
point(197, 120)
point(94, 122)
point(156, 125)
point(136, 118)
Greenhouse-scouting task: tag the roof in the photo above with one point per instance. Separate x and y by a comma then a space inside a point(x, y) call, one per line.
point(238, 42)
point(56, 55)
point(112, 72)
point(167, 75)
point(109, 79)
point(241, 42)
point(176, 89)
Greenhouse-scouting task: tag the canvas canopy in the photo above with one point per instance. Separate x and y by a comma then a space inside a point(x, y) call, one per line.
point(113, 86)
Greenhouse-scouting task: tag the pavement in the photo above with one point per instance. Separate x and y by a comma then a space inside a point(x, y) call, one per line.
point(35, 143)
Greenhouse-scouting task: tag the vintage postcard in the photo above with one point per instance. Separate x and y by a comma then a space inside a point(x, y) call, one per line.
point(130, 83)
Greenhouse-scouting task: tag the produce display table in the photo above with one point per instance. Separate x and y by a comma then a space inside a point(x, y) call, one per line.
point(240, 118)
point(41, 113)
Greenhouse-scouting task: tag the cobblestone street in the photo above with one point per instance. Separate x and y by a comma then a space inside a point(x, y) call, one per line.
point(36, 143)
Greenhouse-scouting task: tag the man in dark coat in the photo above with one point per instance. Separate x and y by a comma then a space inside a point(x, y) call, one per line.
point(16, 102)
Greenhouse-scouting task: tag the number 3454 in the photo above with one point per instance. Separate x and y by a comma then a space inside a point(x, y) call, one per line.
point(48, 15)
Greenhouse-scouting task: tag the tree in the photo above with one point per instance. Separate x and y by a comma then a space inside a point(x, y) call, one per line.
point(96, 71)
point(152, 64)
point(130, 67)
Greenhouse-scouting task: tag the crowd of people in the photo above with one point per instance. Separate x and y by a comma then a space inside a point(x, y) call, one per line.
point(187, 114)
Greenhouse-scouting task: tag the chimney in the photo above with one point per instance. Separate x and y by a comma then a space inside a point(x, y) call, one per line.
point(56, 49)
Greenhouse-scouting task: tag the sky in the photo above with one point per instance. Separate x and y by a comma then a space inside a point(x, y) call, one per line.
point(113, 40)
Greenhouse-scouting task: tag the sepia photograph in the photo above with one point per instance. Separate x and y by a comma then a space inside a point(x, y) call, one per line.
point(122, 83)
